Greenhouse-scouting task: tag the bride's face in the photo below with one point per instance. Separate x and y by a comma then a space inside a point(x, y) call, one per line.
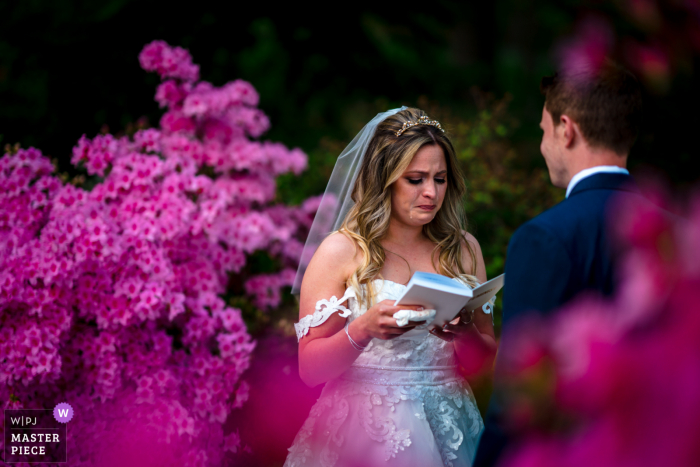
point(418, 194)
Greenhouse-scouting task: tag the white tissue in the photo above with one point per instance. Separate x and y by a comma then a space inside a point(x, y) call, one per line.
point(404, 316)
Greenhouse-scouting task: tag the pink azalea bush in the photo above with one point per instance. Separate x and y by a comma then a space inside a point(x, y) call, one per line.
point(616, 382)
point(111, 299)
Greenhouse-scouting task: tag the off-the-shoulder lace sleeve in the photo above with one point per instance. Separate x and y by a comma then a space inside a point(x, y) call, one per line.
point(321, 315)
point(488, 307)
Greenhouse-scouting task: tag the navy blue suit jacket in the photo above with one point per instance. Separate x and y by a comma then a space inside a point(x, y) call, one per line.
point(551, 259)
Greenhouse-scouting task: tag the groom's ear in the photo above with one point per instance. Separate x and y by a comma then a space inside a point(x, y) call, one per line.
point(567, 130)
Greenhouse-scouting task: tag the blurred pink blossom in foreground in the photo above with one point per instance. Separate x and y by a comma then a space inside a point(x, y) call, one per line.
point(616, 383)
point(110, 299)
point(584, 54)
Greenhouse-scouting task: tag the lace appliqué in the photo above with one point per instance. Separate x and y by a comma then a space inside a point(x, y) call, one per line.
point(328, 455)
point(382, 429)
point(422, 352)
point(320, 316)
point(443, 406)
point(488, 308)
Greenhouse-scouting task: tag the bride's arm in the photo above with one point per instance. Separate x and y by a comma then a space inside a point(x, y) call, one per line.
point(325, 352)
point(475, 343)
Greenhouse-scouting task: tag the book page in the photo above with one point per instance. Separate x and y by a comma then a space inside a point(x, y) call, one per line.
point(446, 296)
point(439, 281)
point(485, 292)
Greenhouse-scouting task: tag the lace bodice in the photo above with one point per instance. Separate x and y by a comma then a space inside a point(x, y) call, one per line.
point(421, 351)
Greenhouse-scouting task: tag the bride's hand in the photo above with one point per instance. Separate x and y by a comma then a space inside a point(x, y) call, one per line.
point(379, 322)
point(460, 327)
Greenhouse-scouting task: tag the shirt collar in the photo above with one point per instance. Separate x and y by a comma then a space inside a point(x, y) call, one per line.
point(610, 169)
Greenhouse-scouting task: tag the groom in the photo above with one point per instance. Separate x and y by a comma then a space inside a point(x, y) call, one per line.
point(589, 122)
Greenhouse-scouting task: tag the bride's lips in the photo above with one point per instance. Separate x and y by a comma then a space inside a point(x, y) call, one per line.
point(427, 207)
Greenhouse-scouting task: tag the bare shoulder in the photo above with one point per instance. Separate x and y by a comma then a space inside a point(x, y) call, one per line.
point(472, 243)
point(471, 239)
point(338, 253)
point(339, 246)
point(328, 271)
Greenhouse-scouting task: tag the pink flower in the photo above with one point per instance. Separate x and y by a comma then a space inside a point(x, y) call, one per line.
point(266, 288)
point(97, 154)
point(148, 140)
point(232, 442)
point(168, 62)
point(171, 94)
point(175, 122)
point(111, 298)
point(241, 92)
point(231, 320)
point(584, 54)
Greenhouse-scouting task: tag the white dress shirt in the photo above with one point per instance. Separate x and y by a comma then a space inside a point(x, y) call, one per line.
point(608, 169)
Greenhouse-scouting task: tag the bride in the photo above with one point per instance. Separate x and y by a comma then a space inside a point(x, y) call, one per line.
point(390, 397)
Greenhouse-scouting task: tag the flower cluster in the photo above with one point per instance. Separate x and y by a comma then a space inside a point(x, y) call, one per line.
point(168, 62)
point(111, 298)
point(615, 382)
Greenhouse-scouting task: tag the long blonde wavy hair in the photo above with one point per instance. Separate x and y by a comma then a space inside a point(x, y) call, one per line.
point(387, 157)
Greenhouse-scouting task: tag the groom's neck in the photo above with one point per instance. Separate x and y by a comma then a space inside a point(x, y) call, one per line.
point(586, 157)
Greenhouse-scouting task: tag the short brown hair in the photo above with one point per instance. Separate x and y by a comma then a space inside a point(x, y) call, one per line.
point(606, 104)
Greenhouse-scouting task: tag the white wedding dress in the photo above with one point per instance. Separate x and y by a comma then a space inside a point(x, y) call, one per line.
point(401, 403)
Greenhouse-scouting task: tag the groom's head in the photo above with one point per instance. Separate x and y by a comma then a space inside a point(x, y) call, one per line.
point(589, 119)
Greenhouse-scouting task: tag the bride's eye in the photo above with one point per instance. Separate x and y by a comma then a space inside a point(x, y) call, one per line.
point(440, 180)
point(414, 181)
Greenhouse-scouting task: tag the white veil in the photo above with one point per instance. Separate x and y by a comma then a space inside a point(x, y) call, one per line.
point(336, 201)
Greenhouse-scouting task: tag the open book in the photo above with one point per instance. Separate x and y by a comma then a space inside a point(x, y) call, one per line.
point(447, 296)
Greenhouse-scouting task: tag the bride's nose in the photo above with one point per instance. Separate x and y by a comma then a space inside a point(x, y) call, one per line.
point(430, 190)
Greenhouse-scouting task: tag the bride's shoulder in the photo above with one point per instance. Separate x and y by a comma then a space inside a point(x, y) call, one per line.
point(471, 239)
point(471, 245)
point(339, 243)
point(338, 250)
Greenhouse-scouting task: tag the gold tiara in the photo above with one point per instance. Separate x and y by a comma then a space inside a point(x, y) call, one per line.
point(424, 120)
